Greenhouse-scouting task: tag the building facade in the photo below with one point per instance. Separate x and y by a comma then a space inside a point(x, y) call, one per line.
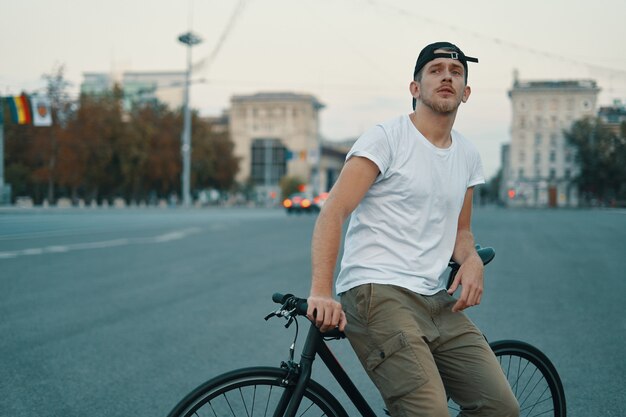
point(613, 116)
point(148, 87)
point(540, 166)
point(276, 134)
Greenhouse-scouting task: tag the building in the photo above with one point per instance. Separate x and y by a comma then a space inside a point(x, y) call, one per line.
point(613, 116)
point(276, 134)
point(165, 87)
point(540, 165)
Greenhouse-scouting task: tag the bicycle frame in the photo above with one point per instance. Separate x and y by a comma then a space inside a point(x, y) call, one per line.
point(315, 345)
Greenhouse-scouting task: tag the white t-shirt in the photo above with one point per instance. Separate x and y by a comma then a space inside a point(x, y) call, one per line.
point(404, 230)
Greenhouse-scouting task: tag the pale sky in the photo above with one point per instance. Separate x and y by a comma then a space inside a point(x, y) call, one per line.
point(355, 56)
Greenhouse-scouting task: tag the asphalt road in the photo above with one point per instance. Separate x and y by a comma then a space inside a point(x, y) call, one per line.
point(121, 312)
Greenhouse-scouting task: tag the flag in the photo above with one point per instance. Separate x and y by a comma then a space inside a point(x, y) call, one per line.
point(20, 109)
point(41, 111)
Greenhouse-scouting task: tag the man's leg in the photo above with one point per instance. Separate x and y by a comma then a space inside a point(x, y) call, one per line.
point(470, 371)
point(390, 329)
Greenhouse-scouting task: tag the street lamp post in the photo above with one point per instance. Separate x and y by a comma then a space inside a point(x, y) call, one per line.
point(190, 39)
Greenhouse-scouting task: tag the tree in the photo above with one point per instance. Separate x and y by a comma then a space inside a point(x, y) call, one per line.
point(47, 141)
point(601, 154)
point(213, 162)
point(94, 133)
point(151, 154)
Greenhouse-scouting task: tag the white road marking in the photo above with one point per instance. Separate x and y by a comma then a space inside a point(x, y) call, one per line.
point(164, 238)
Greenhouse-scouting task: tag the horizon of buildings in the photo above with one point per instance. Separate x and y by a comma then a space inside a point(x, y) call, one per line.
point(278, 133)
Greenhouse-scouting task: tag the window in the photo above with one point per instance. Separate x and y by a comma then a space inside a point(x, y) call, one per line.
point(537, 158)
point(552, 156)
point(552, 173)
point(554, 121)
point(269, 161)
point(520, 173)
point(538, 121)
point(553, 140)
point(522, 157)
point(538, 139)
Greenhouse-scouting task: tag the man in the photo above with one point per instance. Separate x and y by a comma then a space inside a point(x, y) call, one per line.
point(407, 185)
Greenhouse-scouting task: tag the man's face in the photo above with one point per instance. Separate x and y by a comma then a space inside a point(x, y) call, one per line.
point(442, 87)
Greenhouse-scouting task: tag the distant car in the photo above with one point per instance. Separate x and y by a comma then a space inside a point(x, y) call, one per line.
point(301, 203)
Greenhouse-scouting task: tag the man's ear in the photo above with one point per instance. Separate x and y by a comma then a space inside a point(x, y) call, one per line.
point(466, 93)
point(414, 88)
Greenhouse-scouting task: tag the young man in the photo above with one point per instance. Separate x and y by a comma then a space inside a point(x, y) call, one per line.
point(408, 184)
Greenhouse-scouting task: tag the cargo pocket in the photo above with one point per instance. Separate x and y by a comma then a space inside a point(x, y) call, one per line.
point(394, 367)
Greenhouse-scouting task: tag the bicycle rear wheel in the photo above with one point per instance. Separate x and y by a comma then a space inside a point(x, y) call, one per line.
point(533, 379)
point(253, 392)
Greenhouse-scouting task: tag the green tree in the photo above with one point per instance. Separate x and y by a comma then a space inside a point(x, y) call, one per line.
point(601, 154)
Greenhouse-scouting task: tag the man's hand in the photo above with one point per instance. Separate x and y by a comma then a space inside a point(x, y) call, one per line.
point(470, 277)
point(326, 313)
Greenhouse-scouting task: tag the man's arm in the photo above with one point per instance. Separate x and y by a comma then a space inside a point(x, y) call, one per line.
point(470, 274)
point(355, 179)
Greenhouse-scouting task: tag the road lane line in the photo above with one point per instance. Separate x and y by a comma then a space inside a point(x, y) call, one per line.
point(164, 238)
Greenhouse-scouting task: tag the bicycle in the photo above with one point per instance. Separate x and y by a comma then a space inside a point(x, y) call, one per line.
point(290, 391)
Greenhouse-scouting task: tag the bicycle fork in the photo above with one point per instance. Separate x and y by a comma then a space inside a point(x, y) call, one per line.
point(298, 376)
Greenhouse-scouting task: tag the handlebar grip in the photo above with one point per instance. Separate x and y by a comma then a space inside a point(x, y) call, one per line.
point(279, 298)
point(299, 304)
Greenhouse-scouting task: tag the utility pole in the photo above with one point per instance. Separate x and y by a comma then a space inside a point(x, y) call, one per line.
point(190, 39)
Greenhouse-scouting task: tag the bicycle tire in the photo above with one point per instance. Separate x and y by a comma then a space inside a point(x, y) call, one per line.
point(537, 394)
point(533, 379)
point(252, 392)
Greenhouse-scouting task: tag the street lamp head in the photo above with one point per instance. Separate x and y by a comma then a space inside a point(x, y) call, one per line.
point(190, 39)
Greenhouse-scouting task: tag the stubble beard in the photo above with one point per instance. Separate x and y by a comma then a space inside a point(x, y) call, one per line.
point(442, 107)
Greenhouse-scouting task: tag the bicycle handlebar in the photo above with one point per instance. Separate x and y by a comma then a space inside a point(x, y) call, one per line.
point(291, 302)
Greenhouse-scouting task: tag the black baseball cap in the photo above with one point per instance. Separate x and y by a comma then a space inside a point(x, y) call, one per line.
point(452, 51)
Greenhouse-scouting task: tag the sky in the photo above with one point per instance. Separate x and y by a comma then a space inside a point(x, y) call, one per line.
point(355, 56)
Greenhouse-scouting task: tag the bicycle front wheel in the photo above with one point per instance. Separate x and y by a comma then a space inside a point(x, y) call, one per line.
point(533, 378)
point(253, 392)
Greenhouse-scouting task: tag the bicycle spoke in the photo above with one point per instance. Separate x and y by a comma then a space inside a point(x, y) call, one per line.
point(533, 389)
point(535, 405)
point(212, 409)
point(229, 406)
point(307, 409)
point(243, 402)
point(267, 404)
